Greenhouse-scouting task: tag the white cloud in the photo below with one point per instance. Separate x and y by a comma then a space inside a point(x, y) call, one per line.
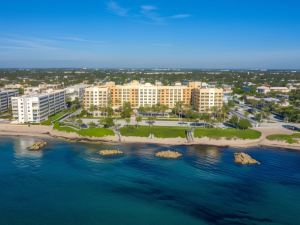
point(180, 16)
point(18, 42)
point(147, 13)
point(114, 7)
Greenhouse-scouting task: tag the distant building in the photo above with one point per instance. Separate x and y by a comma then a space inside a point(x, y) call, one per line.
point(280, 89)
point(37, 108)
point(5, 99)
point(42, 88)
point(263, 90)
point(13, 86)
point(227, 94)
point(76, 91)
point(31, 90)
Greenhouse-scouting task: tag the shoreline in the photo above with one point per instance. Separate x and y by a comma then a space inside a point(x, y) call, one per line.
point(48, 132)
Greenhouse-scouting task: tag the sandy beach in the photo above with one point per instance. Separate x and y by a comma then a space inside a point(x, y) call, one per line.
point(46, 131)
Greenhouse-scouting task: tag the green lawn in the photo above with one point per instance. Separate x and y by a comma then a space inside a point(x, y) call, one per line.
point(229, 133)
point(95, 132)
point(173, 132)
point(89, 132)
point(54, 117)
point(159, 132)
point(64, 128)
point(291, 139)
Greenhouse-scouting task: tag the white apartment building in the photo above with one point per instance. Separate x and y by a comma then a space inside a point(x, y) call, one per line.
point(37, 108)
point(5, 99)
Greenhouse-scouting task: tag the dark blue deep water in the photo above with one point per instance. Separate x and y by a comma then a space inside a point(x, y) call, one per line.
point(70, 184)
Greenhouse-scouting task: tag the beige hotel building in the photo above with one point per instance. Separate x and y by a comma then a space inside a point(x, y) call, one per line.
point(151, 94)
point(206, 98)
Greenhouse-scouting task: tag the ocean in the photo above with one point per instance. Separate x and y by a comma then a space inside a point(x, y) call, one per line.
point(71, 184)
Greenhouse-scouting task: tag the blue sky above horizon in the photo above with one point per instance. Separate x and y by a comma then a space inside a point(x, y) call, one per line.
point(150, 33)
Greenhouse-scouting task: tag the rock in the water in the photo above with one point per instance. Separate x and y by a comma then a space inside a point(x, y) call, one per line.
point(244, 159)
point(110, 152)
point(168, 154)
point(38, 145)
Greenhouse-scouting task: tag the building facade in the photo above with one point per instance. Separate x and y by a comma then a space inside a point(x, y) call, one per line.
point(38, 107)
point(206, 98)
point(96, 97)
point(141, 95)
point(5, 99)
point(76, 91)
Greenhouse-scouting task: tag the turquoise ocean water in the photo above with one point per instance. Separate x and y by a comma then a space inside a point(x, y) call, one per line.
point(70, 184)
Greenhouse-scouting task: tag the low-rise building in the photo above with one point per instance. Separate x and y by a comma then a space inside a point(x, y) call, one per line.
point(42, 88)
point(280, 89)
point(263, 90)
point(266, 89)
point(37, 108)
point(13, 86)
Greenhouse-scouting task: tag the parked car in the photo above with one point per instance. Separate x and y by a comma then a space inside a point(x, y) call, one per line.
point(182, 123)
point(200, 125)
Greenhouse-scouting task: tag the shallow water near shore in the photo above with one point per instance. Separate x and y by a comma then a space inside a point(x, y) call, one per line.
point(70, 183)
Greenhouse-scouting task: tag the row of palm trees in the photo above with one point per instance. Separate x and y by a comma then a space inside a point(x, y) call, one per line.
point(213, 115)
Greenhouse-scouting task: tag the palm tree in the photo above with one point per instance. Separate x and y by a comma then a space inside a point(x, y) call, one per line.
point(138, 119)
point(206, 118)
point(127, 120)
point(178, 108)
point(224, 110)
point(80, 122)
point(164, 108)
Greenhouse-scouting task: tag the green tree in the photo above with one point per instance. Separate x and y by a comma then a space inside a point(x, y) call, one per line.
point(127, 120)
point(80, 122)
point(244, 124)
point(107, 122)
point(92, 108)
point(21, 91)
point(258, 117)
point(126, 110)
point(109, 111)
point(234, 120)
point(92, 124)
point(138, 119)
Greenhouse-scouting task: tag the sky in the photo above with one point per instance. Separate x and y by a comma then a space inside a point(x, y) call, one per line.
point(223, 34)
